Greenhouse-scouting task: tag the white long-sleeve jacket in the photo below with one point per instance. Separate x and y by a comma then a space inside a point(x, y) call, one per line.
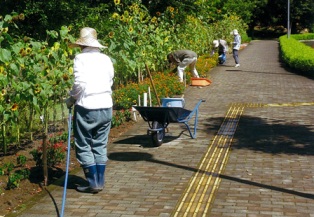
point(237, 42)
point(93, 78)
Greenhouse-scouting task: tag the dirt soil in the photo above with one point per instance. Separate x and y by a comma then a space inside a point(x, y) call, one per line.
point(10, 200)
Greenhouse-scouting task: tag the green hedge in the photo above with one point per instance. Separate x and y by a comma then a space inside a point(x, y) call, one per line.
point(296, 54)
point(308, 36)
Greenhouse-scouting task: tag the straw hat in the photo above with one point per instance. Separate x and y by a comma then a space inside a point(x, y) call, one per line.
point(88, 38)
point(215, 43)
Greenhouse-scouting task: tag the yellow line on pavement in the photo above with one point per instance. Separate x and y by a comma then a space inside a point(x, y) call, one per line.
point(259, 105)
point(289, 104)
point(203, 185)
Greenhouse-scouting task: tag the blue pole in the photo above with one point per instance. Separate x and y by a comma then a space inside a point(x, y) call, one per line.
point(67, 163)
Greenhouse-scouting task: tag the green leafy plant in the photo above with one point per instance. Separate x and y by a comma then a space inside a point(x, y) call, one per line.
point(15, 178)
point(9, 167)
point(120, 117)
point(2, 171)
point(166, 84)
point(61, 137)
point(55, 154)
point(296, 54)
point(21, 160)
point(14, 181)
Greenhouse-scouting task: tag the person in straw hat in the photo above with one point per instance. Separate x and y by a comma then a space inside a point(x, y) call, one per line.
point(91, 97)
point(222, 46)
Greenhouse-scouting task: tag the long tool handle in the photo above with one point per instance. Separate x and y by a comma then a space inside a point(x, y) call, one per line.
point(151, 81)
point(67, 163)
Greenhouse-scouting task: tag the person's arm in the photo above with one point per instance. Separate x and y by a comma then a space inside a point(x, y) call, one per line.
point(79, 82)
point(237, 40)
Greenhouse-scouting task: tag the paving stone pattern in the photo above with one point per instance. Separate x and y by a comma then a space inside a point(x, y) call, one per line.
point(270, 170)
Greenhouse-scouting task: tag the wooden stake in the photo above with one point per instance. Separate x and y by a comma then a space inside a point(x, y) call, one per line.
point(151, 81)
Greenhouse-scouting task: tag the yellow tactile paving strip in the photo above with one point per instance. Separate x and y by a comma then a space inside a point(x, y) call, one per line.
point(200, 192)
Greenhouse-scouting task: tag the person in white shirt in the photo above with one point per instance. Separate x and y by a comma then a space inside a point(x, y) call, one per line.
point(236, 46)
point(222, 46)
point(92, 100)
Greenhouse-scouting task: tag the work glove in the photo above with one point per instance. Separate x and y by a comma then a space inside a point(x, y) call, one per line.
point(70, 102)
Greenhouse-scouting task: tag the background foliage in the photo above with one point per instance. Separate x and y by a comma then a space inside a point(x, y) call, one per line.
point(36, 62)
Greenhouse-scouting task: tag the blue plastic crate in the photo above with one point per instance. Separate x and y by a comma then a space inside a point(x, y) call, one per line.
point(173, 102)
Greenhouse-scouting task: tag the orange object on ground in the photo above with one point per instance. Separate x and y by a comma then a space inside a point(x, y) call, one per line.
point(200, 82)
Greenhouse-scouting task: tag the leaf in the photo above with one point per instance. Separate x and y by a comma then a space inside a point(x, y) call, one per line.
point(14, 68)
point(7, 18)
point(53, 34)
point(5, 55)
point(36, 45)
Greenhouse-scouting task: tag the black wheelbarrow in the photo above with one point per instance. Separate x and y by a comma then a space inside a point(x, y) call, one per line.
point(171, 111)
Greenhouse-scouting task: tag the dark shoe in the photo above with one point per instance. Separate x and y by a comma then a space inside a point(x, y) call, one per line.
point(88, 190)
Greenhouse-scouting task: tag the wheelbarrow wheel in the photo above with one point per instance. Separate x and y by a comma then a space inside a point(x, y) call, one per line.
point(158, 136)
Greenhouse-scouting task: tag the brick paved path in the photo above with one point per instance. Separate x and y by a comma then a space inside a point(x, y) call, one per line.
point(266, 167)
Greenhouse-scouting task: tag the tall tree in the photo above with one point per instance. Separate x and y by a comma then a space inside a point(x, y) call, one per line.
point(275, 13)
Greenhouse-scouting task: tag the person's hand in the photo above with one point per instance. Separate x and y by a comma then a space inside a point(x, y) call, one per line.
point(70, 102)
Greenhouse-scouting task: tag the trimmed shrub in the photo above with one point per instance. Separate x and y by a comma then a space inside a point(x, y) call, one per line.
point(297, 55)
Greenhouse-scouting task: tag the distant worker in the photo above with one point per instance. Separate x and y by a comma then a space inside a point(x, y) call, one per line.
point(182, 59)
point(236, 47)
point(222, 46)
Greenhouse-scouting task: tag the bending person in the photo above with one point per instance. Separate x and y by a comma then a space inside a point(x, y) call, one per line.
point(222, 46)
point(182, 59)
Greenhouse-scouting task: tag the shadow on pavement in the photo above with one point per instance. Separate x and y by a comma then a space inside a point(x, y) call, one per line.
point(274, 136)
point(140, 156)
point(146, 140)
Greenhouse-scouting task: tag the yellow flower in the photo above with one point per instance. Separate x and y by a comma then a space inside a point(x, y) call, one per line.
point(158, 13)
point(116, 2)
point(154, 20)
point(3, 92)
point(28, 50)
point(65, 77)
point(115, 15)
point(171, 9)
point(111, 34)
point(131, 29)
point(21, 16)
point(14, 107)
point(126, 13)
point(71, 70)
point(56, 45)
point(1, 69)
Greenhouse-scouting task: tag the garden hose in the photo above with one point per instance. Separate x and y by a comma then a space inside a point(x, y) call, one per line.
point(67, 163)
